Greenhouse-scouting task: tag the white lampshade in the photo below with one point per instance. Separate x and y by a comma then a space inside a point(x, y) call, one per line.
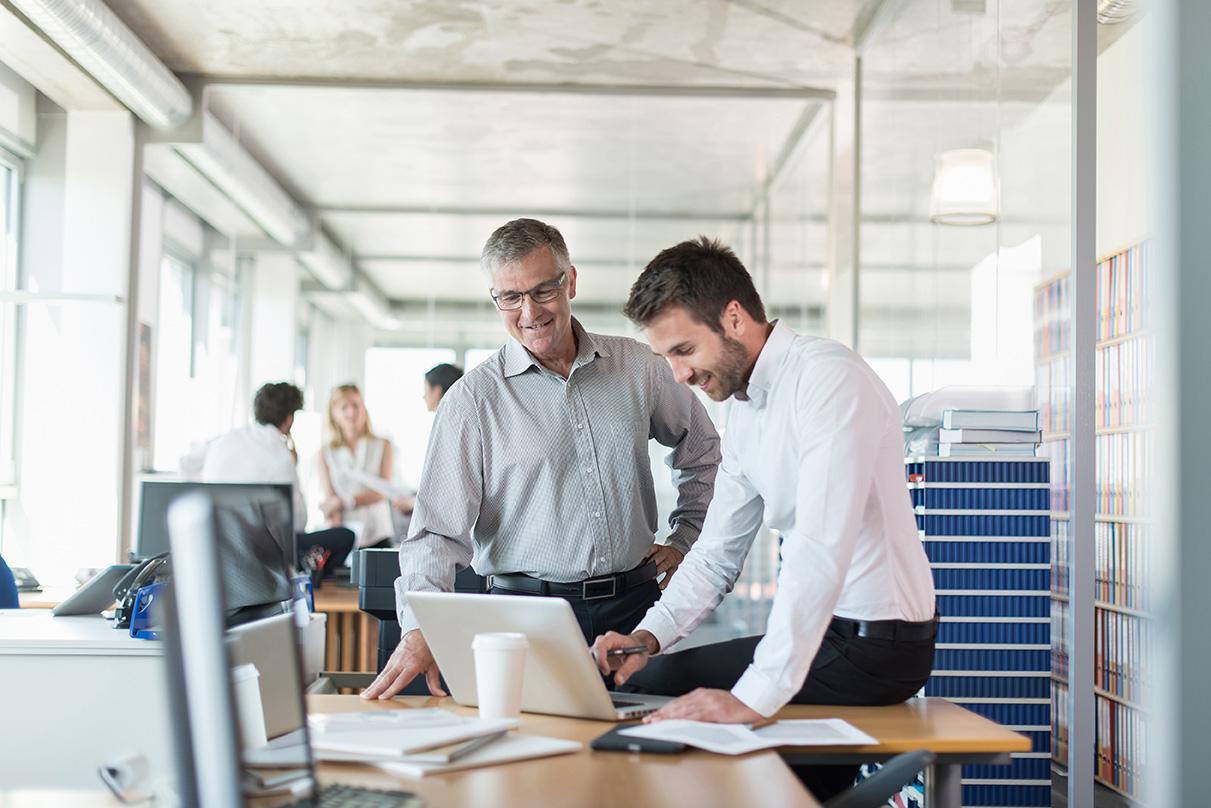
point(965, 188)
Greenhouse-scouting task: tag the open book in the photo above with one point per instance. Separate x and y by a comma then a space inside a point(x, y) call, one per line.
point(738, 739)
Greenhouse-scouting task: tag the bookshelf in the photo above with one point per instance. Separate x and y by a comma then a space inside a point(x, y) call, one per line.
point(984, 524)
point(1124, 450)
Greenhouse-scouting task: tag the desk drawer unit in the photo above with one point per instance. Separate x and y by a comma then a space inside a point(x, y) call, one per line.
point(986, 532)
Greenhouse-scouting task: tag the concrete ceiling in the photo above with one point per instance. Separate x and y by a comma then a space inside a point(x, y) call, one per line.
point(413, 128)
point(671, 42)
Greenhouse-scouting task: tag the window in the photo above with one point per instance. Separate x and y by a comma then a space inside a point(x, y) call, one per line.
point(394, 384)
point(174, 362)
point(8, 330)
point(196, 358)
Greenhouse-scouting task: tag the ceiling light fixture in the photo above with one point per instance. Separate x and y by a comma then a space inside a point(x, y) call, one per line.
point(965, 188)
point(98, 41)
point(1112, 12)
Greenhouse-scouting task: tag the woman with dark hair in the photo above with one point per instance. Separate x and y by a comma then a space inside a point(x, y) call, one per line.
point(438, 381)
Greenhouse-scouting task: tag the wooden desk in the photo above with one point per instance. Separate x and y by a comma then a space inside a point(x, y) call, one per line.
point(352, 639)
point(957, 736)
point(46, 599)
point(588, 778)
point(584, 778)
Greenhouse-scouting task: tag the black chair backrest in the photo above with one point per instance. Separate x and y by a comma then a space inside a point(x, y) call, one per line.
point(884, 784)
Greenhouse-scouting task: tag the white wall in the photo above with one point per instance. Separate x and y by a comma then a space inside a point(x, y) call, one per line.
point(18, 108)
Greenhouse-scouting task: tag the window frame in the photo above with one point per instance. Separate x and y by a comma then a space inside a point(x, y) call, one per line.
point(11, 352)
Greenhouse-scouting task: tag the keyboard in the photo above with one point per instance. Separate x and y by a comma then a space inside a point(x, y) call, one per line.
point(339, 796)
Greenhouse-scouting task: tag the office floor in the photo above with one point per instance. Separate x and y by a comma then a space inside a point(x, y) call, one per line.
point(1102, 796)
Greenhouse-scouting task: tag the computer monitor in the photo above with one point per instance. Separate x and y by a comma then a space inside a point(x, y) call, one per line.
point(205, 721)
point(254, 527)
point(156, 495)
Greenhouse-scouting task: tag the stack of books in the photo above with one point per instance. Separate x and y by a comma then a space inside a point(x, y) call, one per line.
point(978, 433)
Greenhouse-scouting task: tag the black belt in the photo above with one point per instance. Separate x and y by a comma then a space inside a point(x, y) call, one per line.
point(606, 586)
point(885, 629)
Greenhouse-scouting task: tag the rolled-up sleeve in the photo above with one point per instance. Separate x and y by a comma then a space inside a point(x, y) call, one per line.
point(438, 544)
point(680, 422)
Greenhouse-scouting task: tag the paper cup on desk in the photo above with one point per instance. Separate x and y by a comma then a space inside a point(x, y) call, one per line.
point(246, 681)
point(500, 666)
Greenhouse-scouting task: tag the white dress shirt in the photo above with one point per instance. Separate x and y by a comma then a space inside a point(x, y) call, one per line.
point(815, 449)
point(256, 453)
point(343, 465)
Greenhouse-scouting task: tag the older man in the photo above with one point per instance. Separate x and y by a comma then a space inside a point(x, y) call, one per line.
point(538, 468)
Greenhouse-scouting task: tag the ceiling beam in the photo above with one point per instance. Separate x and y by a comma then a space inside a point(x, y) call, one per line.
point(674, 91)
point(568, 213)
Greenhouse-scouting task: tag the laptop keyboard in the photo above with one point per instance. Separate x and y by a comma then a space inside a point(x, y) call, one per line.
point(339, 796)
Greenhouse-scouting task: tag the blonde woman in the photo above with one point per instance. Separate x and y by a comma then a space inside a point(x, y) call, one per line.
point(352, 454)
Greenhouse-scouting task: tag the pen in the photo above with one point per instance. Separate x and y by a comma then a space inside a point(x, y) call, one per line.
point(630, 649)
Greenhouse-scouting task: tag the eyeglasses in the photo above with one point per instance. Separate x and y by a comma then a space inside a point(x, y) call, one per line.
point(544, 292)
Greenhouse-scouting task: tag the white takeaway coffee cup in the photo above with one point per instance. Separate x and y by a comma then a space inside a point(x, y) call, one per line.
point(247, 686)
point(500, 666)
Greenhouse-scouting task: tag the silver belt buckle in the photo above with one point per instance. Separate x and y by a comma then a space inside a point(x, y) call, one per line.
point(611, 581)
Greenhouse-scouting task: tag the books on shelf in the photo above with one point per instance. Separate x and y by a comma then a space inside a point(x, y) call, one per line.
point(1123, 361)
point(1121, 642)
point(985, 527)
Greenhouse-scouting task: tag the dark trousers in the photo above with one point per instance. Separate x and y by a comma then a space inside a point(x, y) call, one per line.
point(620, 613)
point(338, 541)
point(847, 670)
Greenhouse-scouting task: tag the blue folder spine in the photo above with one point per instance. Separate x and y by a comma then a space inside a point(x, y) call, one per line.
point(985, 528)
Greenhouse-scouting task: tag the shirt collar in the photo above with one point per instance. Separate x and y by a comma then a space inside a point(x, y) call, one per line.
point(762, 379)
point(518, 360)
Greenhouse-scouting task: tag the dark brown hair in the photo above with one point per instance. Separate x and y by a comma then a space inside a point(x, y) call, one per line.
point(275, 402)
point(700, 276)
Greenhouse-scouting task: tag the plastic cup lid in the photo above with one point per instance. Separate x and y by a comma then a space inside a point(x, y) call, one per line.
point(241, 673)
point(500, 641)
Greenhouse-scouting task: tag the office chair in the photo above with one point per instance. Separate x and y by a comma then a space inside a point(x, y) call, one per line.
point(884, 784)
point(8, 588)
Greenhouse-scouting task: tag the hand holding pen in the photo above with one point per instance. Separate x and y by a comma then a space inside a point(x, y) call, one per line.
point(623, 655)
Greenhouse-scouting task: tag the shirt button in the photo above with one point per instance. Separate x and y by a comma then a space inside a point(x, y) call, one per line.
point(596, 514)
point(578, 426)
point(588, 469)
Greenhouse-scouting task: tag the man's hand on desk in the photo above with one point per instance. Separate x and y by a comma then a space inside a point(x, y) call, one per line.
point(667, 559)
point(625, 662)
point(718, 706)
point(409, 659)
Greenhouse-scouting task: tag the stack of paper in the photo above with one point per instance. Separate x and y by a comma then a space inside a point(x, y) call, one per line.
point(398, 734)
point(512, 747)
point(739, 739)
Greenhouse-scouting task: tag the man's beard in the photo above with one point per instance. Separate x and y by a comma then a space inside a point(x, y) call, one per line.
point(733, 364)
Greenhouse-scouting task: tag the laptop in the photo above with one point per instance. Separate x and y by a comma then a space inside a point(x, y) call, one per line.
point(96, 595)
point(202, 702)
point(561, 677)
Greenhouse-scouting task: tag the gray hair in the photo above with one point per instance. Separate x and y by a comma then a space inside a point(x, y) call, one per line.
point(517, 239)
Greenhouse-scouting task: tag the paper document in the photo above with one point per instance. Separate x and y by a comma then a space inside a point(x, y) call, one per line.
point(512, 747)
point(378, 484)
point(739, 739)
point(396, 734)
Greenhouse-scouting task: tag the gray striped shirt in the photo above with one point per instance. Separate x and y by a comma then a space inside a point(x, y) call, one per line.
point(529, 472)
